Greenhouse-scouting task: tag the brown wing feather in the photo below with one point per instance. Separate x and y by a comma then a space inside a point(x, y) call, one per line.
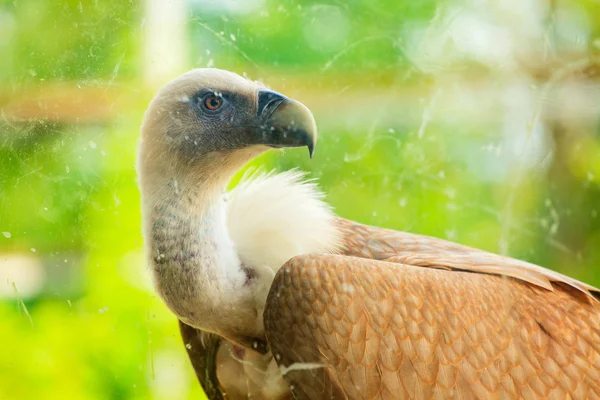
point(202, 348)
point(424, 251)
point(345, 326)
point(227, 372)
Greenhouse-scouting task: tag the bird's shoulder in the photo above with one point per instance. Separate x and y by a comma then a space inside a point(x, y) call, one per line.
point(389, 245)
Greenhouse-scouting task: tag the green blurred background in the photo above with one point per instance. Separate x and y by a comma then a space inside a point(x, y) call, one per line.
point(471, 120)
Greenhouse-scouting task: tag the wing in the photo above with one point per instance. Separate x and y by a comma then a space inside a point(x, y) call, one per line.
point(202, 348)
point(226, 371)
point(473, 325)
point(407, 248)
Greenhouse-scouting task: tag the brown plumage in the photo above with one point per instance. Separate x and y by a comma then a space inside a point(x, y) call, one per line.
point(279, 297)
point(406, 316)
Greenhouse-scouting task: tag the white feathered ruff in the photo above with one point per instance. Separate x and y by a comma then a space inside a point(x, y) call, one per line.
point(272, 217)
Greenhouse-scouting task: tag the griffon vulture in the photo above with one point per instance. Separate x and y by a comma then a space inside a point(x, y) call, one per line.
point(278, 297)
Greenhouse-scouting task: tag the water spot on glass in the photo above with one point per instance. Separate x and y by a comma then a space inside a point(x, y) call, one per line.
point(6, 235)
point(348, 288)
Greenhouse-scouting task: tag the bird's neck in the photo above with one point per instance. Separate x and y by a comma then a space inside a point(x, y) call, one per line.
point(196, 268)
point(189, 229)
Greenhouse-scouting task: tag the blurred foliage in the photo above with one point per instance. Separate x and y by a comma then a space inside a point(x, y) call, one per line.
point(410, 139)
point(305, 35)
point(69, 39)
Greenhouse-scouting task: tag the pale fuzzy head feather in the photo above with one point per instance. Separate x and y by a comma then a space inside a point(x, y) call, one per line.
point(274, 217)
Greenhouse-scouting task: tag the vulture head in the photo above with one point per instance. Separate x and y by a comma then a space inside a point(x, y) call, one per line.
point(197, 132)
point(209, 122)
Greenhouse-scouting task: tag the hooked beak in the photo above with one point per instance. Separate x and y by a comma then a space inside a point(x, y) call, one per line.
point(285, 122)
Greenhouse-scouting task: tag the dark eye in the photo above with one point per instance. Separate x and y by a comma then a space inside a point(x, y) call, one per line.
point(212, 102)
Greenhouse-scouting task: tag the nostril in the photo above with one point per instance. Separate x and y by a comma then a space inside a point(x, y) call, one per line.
point(268, 101)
